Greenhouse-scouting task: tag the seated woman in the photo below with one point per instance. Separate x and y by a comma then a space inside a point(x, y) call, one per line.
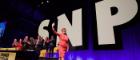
point(26, 43)
point(19, 45)
point(14, 44)
point(39, 43)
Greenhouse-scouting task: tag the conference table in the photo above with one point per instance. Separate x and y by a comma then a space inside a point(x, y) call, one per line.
point(28, 54)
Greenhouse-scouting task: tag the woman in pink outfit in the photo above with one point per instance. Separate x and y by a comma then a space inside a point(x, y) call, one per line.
point(63, 43)
point(19, 45)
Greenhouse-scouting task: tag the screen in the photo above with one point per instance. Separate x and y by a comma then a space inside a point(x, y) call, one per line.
point(2, 28)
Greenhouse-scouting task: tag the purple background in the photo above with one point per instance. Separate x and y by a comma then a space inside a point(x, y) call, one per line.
point(130, 50)
point(30, 15)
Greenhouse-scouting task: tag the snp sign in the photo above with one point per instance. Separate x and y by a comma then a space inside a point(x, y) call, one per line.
point(106, 22)
point(76, 30)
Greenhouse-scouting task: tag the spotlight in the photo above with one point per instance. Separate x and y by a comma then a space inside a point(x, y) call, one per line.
point(42, 3)
point(2, 28)
point(47, 1)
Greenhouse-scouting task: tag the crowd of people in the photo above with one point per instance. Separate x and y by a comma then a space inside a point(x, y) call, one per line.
point(33, 44)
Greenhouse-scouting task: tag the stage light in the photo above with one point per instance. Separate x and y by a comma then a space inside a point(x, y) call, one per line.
point(71, 57)
point(90, 58)
point(42, 3)
point(47, 1)
point(2, 28)
point(78, 58)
